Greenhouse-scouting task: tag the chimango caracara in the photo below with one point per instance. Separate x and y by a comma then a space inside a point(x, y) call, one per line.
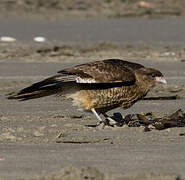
point(98, 86)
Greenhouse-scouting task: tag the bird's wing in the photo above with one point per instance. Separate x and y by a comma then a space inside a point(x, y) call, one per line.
point(107, 71)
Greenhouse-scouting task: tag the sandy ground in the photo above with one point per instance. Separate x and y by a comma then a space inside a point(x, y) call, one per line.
point(53, 9)
point(29, 144)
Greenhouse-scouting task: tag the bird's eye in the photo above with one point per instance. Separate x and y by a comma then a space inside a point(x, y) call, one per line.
point(153, 75)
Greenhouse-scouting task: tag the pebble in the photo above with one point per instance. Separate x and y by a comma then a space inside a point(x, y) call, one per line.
point(182, 134)
point(169, 54)
point(37, 133)
point(42, 128)
point(39, 39)
point(76, 115)
point(8, 136)
point(144, 4)
point(7, 39)
point(53, 125)
point(151, 127)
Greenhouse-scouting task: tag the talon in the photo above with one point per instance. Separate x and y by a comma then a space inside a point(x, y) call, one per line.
point(99, 123)
point(111, 122)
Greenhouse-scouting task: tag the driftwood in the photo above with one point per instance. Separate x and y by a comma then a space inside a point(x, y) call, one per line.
point(174, 97)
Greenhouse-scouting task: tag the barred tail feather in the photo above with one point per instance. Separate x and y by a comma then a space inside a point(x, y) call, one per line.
point(43, 88)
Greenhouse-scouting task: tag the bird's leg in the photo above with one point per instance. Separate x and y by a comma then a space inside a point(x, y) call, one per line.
point(109, 121)
point(100, 120)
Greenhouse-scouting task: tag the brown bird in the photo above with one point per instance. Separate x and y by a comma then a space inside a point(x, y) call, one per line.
point(98, 86)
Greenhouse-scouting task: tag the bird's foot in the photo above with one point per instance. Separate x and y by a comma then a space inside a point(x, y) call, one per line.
point(116, 119)
point(107, 122)
point(110, 122)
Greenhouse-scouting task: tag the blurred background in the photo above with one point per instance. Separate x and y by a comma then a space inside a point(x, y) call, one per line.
point(110, 28)
point(90, 9)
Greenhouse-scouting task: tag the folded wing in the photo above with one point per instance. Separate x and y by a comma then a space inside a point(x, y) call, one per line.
point(111, 71)
point(107, 71)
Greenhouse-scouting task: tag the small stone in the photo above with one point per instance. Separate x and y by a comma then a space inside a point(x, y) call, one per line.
point(39, 39)
point(75, 115)
point(4, 118)
point(169, 54)
point(151, 127)
point(42, 128)
point(53, 125)
point(182, 134)
point(2, 159)
point(144, 4)
point(8, 136)
point(37, 133)
point(7, 39)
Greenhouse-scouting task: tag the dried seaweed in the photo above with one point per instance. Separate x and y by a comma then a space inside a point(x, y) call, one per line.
point(148, 120)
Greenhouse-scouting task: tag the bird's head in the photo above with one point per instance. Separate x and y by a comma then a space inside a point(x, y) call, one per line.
point(150, 76)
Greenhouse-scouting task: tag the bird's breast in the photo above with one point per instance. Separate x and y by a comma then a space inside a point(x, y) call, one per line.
point(123, 96)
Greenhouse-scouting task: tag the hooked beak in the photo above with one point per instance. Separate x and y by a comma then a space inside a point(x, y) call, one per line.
point(161, 80)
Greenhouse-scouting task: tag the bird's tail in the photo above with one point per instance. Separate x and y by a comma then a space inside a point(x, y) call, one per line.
point(47, 87)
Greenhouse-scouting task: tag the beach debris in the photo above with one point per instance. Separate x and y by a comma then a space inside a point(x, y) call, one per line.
point(182, 134)
point(7, 39)
point(2, 159)
point(75, 115)
point(152, 120)
point(169, 53)
point(8, 136)
point(144, 4)
point(37, 133)
point(78, 173)
point(174, 97)
point(39, 39)
point(57, 51)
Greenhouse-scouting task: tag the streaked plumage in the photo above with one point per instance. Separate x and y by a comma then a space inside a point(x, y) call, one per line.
point(98, 86)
